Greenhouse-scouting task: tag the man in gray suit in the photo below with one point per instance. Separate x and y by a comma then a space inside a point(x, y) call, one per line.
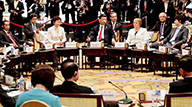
point(177, 36)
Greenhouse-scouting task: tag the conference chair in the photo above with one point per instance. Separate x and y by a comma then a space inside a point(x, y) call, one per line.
point(80, 100)
point(178, 99)
point(155, 37)
point(34, 103)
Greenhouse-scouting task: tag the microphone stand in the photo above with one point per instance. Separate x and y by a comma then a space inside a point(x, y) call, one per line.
point(126, 100)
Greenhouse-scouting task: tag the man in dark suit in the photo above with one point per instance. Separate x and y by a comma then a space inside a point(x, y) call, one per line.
point(116, 26)
point(131, 6)
point(68, 7)
point(182, 6)
point(146, 10)
point(69, 70)
point(177, 36)
point(164, 26)
point(5, 99)
point(52, 7)
point(102, 32)
point(184, 85)
point(16, 9)
point(6, 37)
point(31, 28)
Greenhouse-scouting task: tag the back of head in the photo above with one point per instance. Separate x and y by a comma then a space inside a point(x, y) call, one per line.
point(68, 69)
point(185, 63)
point(43, 74)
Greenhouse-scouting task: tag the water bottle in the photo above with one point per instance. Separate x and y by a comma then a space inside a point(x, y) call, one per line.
point(21, 83)
point(5, 52)
point(12, 50)
point(92, 88)
point(157, 94)
point(24, 47)
point(153, 99)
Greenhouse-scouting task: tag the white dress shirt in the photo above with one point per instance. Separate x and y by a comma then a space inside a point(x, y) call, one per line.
point(166, 6)
point(142, 36)
point(56, 35)
point(172, 40)
point(15, 4)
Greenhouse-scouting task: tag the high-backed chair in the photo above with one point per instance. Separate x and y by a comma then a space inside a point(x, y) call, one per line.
point(80, 100)
point(178, 100)
point(34, 103)
point(154, 37)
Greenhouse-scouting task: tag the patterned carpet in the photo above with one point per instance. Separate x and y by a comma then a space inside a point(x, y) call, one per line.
point(131, 82)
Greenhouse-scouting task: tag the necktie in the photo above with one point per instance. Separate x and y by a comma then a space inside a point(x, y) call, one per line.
point(100, 34)
point(109, 10)
point(10, 37)
point(162, 28)
point(145, 8)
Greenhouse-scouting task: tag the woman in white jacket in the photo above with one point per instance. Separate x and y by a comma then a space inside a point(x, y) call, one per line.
point(137, 34)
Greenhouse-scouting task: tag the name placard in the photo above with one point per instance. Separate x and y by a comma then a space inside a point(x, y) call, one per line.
point(185, 52)
point(29, 49)
point(71, 44)
point(56, 46)
point(96, 44)
point(120, 45)
point(107, 95)
point(141, 46)
point(49, 46)
point(163, 49)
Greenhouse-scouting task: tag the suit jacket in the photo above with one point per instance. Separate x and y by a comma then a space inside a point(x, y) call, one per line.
point(4, 39)
point(28, 30)
point(181, 86)
point(108, 34)
point(71, 87)
point(118, 27)
point(148, 9)
point(6, 100)
point(167, 28)
point(181, 36)
point(65, 2)
point(180, 6)
point(19, 9)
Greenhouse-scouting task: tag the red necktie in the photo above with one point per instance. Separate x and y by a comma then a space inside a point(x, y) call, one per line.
point(100, 34)
point(145, 8)
point(10, 37)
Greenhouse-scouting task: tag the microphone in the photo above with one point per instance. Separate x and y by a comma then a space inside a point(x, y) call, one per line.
point(122, 101)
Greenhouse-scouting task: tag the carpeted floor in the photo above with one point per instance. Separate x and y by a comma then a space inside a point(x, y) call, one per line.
point(131, 82)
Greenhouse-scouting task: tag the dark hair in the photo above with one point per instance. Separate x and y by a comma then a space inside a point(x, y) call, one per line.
point(102, 15)
point(43, 74)
point(113, 13)
point(3, 23)
point(180, 18)
point(185, 63)
point(55, 19)
point(32, 15)
point(68, 68)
